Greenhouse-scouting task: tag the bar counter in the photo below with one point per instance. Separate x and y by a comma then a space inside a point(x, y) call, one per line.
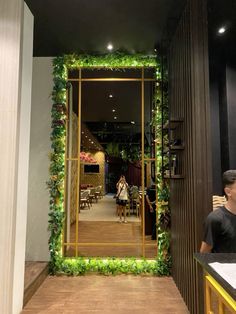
point(215, 284)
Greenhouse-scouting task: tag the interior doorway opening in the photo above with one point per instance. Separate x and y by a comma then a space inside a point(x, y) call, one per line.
point(108, 134)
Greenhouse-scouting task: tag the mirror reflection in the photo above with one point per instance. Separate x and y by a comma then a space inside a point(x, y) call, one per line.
point(106, 204)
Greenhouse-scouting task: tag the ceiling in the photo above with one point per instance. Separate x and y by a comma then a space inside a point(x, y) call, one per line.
point(111, 110)
point(222, 13)
point(88, 25)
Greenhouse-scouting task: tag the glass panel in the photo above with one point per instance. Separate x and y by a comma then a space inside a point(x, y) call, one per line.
point(72, 121)
point(150, 249)
point(69, 250)
point(149, 73)
point(73, 74)
point(110, 147)
point(71, 201)
point(105, 73)
point(110, 251)
point(149, 137)
point(150, 211)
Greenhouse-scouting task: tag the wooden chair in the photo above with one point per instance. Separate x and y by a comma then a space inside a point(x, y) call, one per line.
point(84, 199)
point(128, 207)
point(98, 192)
point(92, 195)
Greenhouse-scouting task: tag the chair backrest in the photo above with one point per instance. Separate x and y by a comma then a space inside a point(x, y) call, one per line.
point(92, 191)
point(134, 192)
point(98, 188)
point(85, 194)
point(218, 201)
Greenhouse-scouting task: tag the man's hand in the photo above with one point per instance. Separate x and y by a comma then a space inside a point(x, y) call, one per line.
point(205, 248)
point(151, 208)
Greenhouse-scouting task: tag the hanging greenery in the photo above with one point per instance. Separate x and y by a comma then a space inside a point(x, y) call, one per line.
point(160, 117)
point(113, 61)
point(75, 266)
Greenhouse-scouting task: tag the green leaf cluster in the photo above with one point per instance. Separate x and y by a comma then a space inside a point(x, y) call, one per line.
point(109, 266)
point(79, 266)
point(110, 61)
point(160, 117)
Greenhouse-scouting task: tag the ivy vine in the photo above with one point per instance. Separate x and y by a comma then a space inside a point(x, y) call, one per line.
point(160, 117)
point(76, 266)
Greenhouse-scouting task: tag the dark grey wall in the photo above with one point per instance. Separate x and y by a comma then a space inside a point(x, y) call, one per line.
point(191, 193)
point(223, 113)
point(215, 132)
point(231, 105)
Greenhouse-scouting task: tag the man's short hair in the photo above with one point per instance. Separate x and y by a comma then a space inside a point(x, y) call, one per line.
point(229, 177)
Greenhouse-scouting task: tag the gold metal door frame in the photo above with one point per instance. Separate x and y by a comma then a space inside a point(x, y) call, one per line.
point(78, 244)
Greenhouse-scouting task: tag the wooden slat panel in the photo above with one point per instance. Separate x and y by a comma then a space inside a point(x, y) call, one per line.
point(190, 197)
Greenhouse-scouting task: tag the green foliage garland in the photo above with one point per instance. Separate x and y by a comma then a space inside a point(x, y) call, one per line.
point(110, 266)
point(75, 266)
point(160, 117)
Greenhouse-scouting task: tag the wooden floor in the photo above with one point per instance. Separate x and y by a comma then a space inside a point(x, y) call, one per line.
point(99, 228)
point(109, 232)
point(107, 295)
point(35, 274)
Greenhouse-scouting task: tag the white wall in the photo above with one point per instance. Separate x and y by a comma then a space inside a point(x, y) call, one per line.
point(23, 161)
point(40, 146)
point(10, 83)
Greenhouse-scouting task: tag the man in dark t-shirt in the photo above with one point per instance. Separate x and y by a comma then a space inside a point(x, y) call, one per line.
point(220, 231)
point(220, 225)
point(151, 201)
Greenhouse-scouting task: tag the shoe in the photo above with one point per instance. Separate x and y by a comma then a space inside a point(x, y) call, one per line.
point(125, 221)
point(120, 221)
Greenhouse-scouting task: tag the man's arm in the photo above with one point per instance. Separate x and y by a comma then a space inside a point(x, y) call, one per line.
point(149, 203)
point(205, 248)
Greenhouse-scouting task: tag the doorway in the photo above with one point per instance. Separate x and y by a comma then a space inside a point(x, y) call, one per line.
point(109, 133)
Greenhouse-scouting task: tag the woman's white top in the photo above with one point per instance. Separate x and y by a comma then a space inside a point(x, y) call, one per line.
point(123, 191)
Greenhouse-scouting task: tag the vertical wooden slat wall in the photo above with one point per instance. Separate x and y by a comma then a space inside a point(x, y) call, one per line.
point(190, 198)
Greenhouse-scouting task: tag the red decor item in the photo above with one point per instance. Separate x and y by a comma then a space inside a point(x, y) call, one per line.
point(86, 157)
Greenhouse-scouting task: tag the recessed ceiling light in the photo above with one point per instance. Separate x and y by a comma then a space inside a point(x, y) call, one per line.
point(109, 47)
point(110, 96)
point(221, 30)
point(113, 110)
point(115, 118)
